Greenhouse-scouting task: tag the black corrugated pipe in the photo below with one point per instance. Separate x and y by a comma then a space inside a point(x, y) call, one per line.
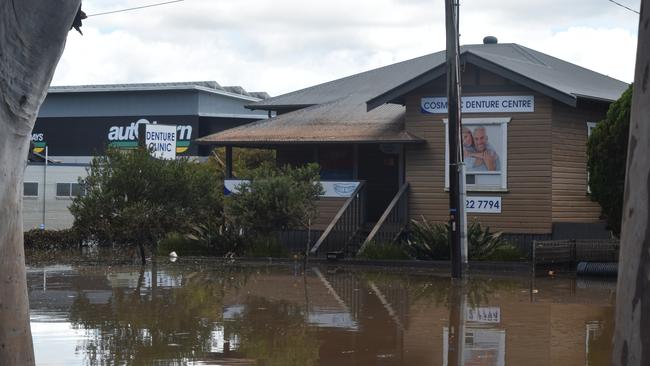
point(597, 269)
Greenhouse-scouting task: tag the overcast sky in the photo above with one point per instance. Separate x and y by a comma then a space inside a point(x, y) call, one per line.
point(279, 46)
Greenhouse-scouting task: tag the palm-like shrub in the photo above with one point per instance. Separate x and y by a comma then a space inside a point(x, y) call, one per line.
point(481, 242)
point(430, 241)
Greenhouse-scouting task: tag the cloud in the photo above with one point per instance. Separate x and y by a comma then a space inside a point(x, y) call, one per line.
point(283, 45)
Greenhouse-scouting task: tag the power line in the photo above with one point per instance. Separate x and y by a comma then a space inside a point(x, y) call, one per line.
point(623, 6)
point(136, 8)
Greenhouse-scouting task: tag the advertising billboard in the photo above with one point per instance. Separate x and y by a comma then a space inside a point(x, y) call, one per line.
point(89, 136)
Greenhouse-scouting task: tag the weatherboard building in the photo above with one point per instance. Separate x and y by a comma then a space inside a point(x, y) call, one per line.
point(76, 123)
point(380, 139)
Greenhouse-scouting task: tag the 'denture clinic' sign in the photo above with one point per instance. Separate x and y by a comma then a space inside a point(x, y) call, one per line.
point(161, 141)
point(484, 104)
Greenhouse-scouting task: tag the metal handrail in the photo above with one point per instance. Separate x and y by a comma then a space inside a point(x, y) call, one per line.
point(350, 217)
point(395, 213)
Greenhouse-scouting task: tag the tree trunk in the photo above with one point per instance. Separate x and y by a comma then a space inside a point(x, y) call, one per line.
point(143, 256)
point(632, 336)
point(32, 37)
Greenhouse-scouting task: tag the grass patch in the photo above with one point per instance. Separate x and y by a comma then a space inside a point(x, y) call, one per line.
point(383, 251)
point(183, 246)
point(266, 247)
point(505, 253)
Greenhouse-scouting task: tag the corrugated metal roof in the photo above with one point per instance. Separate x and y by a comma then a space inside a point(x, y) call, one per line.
point(557, 74)
point(547, 72)
point(337, 121)
point(207, 86)
point(354, 109)
point(361, 86)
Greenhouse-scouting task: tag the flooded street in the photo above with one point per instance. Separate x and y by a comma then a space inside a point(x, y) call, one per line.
point(230, 314)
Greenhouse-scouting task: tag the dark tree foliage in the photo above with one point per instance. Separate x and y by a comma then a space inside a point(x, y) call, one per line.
point(606, 159)
point(244, 160)
point(133, 199)
point(275, 199)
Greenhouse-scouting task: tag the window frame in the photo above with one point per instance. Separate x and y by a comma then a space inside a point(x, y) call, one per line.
point(69, 195)
point(37, 190)
point(503, 122)
point(590, 127)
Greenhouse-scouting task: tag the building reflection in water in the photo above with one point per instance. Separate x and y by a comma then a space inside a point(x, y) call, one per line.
point(281, 315)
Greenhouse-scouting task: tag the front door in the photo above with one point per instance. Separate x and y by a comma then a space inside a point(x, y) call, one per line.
point(379, 167)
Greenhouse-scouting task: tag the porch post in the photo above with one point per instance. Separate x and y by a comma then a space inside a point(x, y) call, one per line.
point(228, 162)
point(401, 166)
point(355, 161)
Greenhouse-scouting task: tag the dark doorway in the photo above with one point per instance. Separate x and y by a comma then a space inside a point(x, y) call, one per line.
point(379, 167)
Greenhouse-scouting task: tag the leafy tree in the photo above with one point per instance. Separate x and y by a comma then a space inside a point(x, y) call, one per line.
point(244, 160)
point(606, 159)
point(133, 199)
point(275, 199)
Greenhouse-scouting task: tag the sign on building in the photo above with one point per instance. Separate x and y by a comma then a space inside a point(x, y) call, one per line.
point(475, 204)
point(330, 189)
point(161, 140)
point(482, 104)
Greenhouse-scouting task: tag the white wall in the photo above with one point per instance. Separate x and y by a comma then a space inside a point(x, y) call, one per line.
point(57, 215)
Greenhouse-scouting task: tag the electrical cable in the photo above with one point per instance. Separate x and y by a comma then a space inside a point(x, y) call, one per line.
point(623, 6)
point(136, 8)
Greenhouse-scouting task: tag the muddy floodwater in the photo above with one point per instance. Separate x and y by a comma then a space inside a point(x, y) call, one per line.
point(204, 313)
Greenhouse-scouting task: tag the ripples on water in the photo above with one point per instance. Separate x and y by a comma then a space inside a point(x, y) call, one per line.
point(218, 314)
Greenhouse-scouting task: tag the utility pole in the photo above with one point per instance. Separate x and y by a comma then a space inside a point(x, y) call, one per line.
point(44, 185)
point(455, 157)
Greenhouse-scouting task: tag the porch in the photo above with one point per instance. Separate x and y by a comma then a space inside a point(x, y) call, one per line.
point(351, 145)
point(365, 196)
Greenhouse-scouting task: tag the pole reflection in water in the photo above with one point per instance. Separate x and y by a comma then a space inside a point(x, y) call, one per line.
point(455, 330)
point(474, 336)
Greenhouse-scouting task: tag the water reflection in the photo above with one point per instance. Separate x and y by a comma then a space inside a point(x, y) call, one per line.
point(216, 314)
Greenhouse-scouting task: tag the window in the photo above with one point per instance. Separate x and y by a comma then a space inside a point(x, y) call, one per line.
point(30, 189)
point(485, 150)
point(336, 162)
point(590, 127)
point(69, 190)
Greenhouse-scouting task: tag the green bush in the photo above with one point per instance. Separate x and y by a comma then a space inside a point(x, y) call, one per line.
point(218, 240)
point(481, 242)
point(183, 246)
point(384, 251)
point(429, 241)
point(133, 199)
point(265, 247)
point(244, 160)
point(606, 160)
point(52, 239)
point(274, 199)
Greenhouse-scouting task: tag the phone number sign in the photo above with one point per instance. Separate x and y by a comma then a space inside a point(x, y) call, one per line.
point(483, 204)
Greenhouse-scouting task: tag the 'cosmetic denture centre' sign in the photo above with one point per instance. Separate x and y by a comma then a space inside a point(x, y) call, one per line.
point(484, 104)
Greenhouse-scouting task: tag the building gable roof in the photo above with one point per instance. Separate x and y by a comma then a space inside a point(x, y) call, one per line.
point(558, 79)
point(365, 107)
point(548, 75)
point(358, 87)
